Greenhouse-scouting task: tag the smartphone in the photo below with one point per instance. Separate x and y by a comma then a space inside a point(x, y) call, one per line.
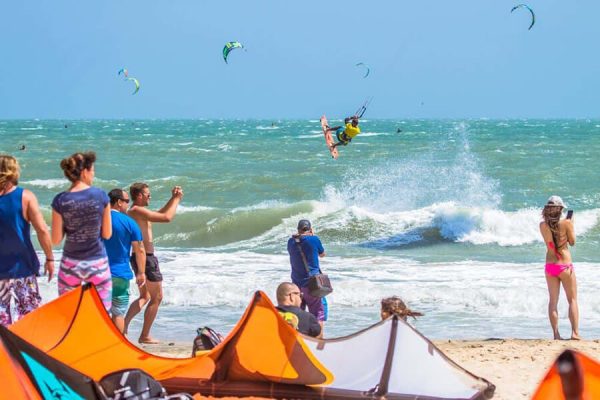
point(569, 214)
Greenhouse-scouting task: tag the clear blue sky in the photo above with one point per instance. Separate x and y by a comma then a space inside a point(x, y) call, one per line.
point(432, 59)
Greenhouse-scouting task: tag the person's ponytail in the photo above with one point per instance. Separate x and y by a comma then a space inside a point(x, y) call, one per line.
point(73, 166)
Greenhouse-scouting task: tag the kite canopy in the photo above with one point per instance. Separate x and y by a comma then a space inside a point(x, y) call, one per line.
point(365, 67)
point(124, 72)
point(572, 376)
point(230, 46)
point(28, 373)
point(530, 10)
point(137, 85)
point(261, 356)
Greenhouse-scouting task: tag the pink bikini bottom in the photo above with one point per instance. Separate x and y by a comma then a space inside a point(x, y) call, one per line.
point(556, 269)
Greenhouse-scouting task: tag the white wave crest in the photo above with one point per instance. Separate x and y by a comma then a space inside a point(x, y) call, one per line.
point(187, 209)
point(47, 183)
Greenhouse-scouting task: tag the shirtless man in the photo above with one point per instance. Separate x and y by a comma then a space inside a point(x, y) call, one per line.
point(151, 293)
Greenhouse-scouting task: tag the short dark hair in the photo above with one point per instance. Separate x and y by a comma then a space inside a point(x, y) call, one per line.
point(115, 195)
point(136, 189)
point(304, 225)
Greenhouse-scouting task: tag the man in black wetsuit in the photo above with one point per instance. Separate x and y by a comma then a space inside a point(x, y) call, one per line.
point(289, 298)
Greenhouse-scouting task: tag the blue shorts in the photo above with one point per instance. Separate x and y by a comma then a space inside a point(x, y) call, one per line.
point(120, 296)
point(340, 133)
point(317, 306)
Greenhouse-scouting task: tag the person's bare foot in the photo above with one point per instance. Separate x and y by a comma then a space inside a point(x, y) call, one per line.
point(557, 336)
point(148, 340)
point(575, 336)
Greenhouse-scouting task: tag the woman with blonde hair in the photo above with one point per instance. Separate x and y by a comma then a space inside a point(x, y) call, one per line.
point(395, 306)
point(19, 263)
point(82, 214)
point(558, 234)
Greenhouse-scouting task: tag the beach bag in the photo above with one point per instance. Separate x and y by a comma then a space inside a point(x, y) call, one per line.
point(319, 285)
point(206, 339)
point(135, 384)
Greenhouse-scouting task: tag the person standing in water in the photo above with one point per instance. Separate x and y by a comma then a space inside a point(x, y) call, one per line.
point(558, 235)
point(310, 244)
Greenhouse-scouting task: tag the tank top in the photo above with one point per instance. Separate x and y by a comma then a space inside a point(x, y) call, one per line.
point(17, 256)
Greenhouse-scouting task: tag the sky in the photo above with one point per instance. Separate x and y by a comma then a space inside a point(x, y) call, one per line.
point(428, 59)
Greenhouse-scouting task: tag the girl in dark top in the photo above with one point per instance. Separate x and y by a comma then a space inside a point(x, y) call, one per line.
point(558, 234)
point(82, 214)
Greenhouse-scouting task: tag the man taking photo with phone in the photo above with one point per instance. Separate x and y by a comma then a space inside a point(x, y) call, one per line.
point(312, 249)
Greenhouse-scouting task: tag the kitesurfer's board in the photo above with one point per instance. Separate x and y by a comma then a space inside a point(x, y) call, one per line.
point(328, 138)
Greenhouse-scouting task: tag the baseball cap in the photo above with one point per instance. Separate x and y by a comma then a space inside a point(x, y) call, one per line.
point(304, 225)
point(555, 201)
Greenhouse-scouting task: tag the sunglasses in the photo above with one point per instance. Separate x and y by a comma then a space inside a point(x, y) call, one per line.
point(125, 200)
point(296, 293)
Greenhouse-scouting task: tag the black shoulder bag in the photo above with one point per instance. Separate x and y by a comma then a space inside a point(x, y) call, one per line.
point(319, 285)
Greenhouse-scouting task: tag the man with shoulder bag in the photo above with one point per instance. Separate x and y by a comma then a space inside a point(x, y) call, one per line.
point(305, 249)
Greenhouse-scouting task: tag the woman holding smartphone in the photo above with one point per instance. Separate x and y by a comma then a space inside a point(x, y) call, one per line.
point(558, 235)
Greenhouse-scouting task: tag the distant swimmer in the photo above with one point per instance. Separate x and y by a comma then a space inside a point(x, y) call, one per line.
point(345, 133)
point(398, 130)
point(66, 126)
point(22, 147)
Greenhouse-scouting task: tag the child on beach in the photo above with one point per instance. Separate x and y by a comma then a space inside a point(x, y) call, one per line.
point(82, 214)
point(395, 306)
point(558, 234)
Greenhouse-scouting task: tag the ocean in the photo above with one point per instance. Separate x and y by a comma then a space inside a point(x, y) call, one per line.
point(443, 213)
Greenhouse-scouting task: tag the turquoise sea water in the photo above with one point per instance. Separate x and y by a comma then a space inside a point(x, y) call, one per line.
point(444, 213)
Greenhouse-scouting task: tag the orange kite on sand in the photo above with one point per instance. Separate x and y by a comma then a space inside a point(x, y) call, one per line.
point(573, 376)
point(261, 356)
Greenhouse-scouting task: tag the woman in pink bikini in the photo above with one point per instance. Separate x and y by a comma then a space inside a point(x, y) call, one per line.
point(558, 235)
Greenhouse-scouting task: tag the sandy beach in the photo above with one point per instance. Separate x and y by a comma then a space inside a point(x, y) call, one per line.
point(515, 366)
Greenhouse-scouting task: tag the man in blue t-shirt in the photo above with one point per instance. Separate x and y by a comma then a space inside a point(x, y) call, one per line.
point(313, 249)
point(125, 235)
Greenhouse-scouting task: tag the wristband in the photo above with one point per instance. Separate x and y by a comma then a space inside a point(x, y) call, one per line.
point(49, 259)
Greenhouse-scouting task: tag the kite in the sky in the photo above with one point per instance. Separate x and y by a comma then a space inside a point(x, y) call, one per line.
point(137, 85)
point(530, 10)
point(124, 72)
point(229, 46)
point(366, 67)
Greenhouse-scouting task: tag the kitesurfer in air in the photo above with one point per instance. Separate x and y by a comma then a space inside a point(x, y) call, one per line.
point(345, 133)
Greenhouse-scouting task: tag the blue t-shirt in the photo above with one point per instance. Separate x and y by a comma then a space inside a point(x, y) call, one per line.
point(312, 247)
point(124, 231)
point(82, 220)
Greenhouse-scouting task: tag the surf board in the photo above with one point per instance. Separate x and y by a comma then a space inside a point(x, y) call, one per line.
point(328, 138)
